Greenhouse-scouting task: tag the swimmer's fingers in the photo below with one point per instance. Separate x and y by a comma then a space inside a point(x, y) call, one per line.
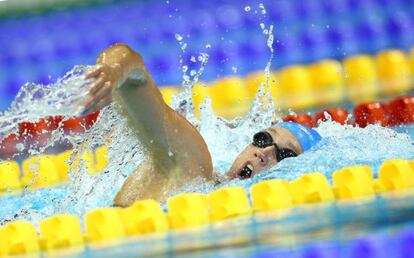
point(88, 105)
point(95, 100)
point(102, 92)
point(97, 106)
point(93, 72)
point(89, 108)
point(104, 102)
point(95, 86)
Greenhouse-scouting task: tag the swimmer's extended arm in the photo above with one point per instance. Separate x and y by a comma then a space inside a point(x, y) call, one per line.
point(176, 150)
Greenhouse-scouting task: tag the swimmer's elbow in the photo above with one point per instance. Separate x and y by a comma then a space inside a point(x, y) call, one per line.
point(121, 201)
point(125, 49)
point(118, 52)
point(122, 47)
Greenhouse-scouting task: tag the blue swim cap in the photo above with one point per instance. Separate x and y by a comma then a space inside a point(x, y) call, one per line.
point(307, 137)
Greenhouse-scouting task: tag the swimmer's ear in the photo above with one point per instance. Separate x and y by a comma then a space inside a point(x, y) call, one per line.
point(145, 183)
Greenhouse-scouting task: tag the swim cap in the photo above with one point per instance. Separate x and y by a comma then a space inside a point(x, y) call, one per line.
point(307, 137)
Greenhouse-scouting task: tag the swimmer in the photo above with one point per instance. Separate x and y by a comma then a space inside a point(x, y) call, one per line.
point(176, 151)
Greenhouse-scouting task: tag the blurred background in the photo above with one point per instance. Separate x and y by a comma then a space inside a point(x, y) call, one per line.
point(40, 40)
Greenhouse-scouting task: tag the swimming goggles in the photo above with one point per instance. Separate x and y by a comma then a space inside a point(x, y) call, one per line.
point(262, 140)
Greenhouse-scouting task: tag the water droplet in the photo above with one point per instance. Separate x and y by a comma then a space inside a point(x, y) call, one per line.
point(247, 8)
point(178, 37)
point(186, 78)
point(262, 26)
point(170, 154)
point(185, 68)
point(234, 69)
point(19, 147)
point(203, 57)
point(184, 46)
point(193, 59)
point(263, 9)
point(208, 46)
point(193, 72)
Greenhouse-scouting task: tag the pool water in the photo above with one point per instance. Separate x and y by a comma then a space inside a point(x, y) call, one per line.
point(342, 145)
point(338, 226)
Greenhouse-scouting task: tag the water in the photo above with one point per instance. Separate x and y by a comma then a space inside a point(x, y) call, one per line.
point(35, 101)
point(341, 145)
point(85, 192)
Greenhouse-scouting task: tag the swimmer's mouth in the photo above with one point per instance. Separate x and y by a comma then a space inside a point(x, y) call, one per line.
point(246, 171)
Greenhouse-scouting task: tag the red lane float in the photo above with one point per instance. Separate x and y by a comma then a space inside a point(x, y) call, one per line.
point(401, 110)
point(37, 133)
point(300, 118)
point(8, 146)
point(339, 115)
point(371, 113)
point(73, 125)
point(396, 112)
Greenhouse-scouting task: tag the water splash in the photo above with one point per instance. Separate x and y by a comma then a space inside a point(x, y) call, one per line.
point(341, 145)
point(263, 111)
point(262, 8)
point(35, 101)
point(183, 101)
point(85, 192)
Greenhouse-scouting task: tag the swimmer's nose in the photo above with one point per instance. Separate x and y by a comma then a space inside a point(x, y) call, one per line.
point(265, 155)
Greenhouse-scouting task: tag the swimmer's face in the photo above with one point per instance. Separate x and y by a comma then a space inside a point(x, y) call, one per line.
point(254, 159)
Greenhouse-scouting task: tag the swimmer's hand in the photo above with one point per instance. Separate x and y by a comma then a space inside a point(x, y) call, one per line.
point(113, 66)
point(104, 79)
